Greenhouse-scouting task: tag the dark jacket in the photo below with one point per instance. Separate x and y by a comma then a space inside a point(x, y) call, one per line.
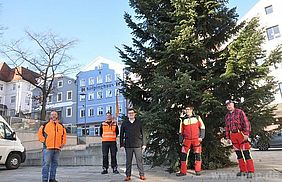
point(131, 134)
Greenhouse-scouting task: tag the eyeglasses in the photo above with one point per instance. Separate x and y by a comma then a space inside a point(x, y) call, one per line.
point(131, 113)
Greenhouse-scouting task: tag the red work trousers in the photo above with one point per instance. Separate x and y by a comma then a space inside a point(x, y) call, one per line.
point(242, 149)
point(197, 148)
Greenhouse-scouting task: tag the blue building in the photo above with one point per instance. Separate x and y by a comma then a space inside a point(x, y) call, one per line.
point(98, 92)
point(61, 99)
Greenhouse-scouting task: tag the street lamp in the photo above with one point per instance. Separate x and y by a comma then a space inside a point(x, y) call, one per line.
point(84, 94)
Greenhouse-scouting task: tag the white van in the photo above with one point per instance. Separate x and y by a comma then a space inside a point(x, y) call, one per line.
point(12, 152)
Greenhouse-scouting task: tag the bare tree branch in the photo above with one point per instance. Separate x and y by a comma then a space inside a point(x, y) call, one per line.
point(49, 59)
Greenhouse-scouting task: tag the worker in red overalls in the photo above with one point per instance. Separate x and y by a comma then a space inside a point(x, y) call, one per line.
point(238, 130)
point(191, 133)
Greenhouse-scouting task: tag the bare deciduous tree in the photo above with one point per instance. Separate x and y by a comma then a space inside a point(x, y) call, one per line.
point(47, 56)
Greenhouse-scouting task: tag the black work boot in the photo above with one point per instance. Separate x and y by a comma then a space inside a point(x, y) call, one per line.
point(241, 174)
point(198, 173)
point(115, 171)
point(250, 175)
point(180, 174)
point(105, 171)
point(53, 180)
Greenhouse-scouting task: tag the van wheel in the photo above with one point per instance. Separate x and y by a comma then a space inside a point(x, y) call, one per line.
point(13, 161)
point(263, 147)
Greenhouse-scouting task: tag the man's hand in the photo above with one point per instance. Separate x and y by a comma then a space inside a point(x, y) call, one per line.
point(246, 137)
point(229, 142)
point(182, 115)
point(200, 139)
point(180, 138)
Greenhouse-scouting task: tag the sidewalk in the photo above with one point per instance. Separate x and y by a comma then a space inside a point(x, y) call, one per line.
point(268, 168)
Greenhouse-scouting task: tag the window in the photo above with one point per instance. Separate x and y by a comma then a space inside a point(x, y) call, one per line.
point(109, 93)
point(100, 66)
point(27, 100)
point(1, 87)
point(91, 96)
point(82, 113)
point(14, 87)
point(100, 94)
point(69, 112)
point(59, 97)
point(273, 32)
point(109, 109)
point(118, 76)
point(100, 111)
point(1, 99)
point(268, 9)
point(82, 83)
point(82, 97)
point(2, 131)
point(49, 98)
point(91, 112)
point(13, 99)
point(117, 92)
point(91, 81)
point(5, 132)
point(69, 95)
point(60, 83)
point(83, 89)
point(99, 79)
point(108, 78)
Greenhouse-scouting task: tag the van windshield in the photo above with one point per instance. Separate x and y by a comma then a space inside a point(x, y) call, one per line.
point(5, 132)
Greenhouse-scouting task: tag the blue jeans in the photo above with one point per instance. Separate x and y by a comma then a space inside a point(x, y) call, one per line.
point(50, 164)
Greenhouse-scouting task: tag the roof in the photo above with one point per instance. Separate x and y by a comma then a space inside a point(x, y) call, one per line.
point(118, 67)
point(8, 74)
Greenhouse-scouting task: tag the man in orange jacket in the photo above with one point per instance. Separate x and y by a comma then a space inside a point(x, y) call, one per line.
point(109, 132)
point(191, 133)
point(53, 136)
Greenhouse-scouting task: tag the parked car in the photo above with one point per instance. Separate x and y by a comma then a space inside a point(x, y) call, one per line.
point(275, 141)
point(12, 152)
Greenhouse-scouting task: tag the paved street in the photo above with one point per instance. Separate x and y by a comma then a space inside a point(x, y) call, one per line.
point(268, 166)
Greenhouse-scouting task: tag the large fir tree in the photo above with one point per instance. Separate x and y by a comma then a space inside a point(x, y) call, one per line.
point(179, 58)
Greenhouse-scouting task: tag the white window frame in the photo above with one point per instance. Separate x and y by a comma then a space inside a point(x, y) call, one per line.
point(67, 108)
point(270, 7)
point(107, 93)
point(80, 111)
point(80, 97)
point(14, 86)
point(81, 81)
point(14, 99)
point(100, 108)
point(89, 112)
point(117, 92)
point(50, 95)
point(91, 81)
point(270, 32)
point(60, 81)
point(70, 91)
point(1, 87)
point(1, 99)
point(61, 97)
point(100, 91)
point(99, 79)
point(108, 78)
point(108, 109)
point(91, 94)
point(100, 66)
